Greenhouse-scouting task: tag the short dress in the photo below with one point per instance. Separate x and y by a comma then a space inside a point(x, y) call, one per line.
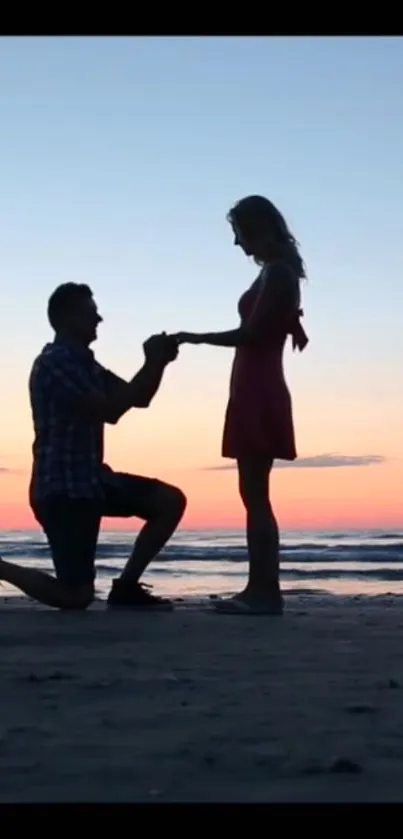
point(259, 416)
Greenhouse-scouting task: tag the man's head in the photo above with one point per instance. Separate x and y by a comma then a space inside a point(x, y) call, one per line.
point(73, 313)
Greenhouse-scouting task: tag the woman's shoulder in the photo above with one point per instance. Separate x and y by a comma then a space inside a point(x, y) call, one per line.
point(279, 275)
point(279, 269)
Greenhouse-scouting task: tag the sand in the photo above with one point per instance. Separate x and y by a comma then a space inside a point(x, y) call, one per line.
point(194, 706)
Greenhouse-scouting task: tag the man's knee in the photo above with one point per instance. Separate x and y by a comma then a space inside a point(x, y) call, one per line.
point(78, 599)
point(170, 500)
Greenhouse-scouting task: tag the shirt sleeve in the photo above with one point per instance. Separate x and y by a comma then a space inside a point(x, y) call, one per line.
point(65, 380)
point(111, 380)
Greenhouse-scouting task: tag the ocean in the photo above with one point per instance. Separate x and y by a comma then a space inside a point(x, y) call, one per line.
point(202, 563)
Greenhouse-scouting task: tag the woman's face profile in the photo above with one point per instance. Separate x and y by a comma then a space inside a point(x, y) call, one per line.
point(240, 241)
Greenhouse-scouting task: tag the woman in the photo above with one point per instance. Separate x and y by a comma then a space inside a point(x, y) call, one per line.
point(259, 423)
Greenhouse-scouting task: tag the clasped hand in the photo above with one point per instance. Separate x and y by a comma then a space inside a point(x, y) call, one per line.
point(161, 348)
point(165, 348)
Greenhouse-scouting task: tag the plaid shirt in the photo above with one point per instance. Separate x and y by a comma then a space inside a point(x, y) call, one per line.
point(68, 447)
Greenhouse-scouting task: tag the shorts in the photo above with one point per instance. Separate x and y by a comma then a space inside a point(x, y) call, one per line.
point(72, 525)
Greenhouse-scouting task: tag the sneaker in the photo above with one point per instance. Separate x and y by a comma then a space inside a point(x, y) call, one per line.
point(241, 605)
point(125, 595)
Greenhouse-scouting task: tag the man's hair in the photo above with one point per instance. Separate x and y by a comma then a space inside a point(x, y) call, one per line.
point(61, 301)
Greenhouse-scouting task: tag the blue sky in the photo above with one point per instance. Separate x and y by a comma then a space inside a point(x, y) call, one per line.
point(120, 158)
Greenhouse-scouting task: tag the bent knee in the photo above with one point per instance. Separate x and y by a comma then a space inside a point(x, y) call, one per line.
point(78, 599)
point(171, 500)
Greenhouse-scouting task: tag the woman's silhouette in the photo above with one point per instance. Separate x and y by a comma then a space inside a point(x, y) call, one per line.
point(259, 422)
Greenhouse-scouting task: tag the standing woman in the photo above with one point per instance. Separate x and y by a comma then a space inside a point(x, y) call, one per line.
point(259, 422)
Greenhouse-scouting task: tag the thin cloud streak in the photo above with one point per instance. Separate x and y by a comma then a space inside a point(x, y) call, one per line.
point(8, 470)
point(319, 461)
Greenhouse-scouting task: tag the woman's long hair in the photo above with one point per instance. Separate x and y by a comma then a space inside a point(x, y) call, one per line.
point(255, 214)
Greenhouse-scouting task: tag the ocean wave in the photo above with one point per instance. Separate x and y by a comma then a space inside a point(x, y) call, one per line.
point(286, 573)
point(298, 554)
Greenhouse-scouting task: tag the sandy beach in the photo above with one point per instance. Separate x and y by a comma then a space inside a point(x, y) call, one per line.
point(194, 706)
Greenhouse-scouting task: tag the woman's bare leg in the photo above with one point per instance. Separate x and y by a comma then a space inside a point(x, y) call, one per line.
point(261, 529)
point(262, 593)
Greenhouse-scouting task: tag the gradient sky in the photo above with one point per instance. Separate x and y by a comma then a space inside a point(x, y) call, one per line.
point(120, 158)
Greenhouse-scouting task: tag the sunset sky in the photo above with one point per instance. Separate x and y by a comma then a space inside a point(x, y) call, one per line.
point(120, 159)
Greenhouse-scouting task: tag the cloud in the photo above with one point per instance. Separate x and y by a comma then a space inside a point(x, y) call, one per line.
point(7, 470)
point(318, 461)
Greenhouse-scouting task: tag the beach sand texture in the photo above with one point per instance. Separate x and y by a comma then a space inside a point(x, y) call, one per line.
point(194, 706)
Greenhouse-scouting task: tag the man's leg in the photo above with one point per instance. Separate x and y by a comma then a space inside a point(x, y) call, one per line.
point(161, 506)
point(72, 530)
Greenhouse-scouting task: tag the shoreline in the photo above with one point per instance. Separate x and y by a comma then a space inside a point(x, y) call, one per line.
point(195, 706)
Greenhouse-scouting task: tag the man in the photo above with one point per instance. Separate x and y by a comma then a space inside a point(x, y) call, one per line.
point(72, 397)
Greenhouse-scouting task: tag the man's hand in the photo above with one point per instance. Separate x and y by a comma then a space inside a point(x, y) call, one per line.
point(161, 348)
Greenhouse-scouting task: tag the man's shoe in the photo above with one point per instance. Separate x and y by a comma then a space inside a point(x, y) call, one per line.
point(126, 595)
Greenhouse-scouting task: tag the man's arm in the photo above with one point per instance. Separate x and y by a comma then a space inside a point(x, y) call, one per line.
point(159, 351)
point(71, 385)
point(121, 396)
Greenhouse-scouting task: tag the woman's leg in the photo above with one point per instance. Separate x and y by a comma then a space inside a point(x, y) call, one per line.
point(261, 526)
point(262, 594)
point(261, 530)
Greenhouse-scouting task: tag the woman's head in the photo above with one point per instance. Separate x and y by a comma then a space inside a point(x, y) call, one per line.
point(262, 232)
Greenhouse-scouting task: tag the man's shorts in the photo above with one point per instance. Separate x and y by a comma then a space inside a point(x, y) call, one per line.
point(72, 525)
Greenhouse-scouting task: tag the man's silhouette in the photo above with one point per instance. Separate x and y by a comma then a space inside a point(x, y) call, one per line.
point(72, 397)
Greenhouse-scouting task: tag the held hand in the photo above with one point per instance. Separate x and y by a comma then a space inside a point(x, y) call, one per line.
point(187, 338)
point(161, 348)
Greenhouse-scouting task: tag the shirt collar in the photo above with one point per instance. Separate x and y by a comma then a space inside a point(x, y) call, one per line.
point(84, 352)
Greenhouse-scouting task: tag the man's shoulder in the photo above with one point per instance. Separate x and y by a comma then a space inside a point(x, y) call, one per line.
point(51, 350)
point(39, 360)
point(48, 353)
point(56, 353)
point(51, 355)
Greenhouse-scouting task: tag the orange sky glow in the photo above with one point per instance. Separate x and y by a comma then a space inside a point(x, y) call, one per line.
point(356, 497)
point(178, 440)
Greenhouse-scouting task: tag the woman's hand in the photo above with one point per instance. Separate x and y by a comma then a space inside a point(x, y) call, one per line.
point(187, 338)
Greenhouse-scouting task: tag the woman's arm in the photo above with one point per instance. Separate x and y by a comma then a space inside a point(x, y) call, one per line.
point(276, 303)
point(232, 338)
